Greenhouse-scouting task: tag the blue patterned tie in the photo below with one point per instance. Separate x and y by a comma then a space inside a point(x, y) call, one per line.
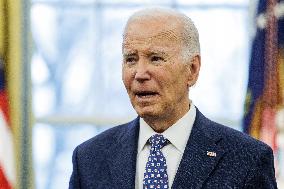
point(155, 175)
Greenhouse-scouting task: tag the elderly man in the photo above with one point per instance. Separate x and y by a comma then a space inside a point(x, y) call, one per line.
point(170, 144)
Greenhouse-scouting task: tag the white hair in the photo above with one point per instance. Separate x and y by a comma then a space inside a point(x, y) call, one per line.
point(189, 33)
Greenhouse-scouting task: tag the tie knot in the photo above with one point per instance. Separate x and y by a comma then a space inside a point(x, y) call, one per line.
point(158, 141)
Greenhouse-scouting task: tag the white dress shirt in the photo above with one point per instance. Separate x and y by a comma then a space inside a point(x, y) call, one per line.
point(177, 134)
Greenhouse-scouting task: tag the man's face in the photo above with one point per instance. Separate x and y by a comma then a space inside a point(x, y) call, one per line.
point(154, 72)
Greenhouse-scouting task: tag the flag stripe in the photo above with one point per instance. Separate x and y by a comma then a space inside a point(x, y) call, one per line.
point(4, 106)
point(270, 57)
point(7, 151)
point(3, 181)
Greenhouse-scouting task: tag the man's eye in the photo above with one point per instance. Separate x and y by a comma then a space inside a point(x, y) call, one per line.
point(130, 59)
point(156, 58)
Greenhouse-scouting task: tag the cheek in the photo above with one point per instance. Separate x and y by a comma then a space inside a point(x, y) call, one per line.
point(174, 84)
point(126, 78)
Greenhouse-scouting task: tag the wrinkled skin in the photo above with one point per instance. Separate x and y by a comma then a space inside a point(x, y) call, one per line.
point(156, 75)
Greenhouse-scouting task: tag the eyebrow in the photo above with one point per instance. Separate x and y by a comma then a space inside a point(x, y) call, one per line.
point(155, 52)
point(162, 53)
point(129, 54)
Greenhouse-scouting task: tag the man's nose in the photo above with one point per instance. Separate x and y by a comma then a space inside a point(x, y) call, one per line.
point(142, 71)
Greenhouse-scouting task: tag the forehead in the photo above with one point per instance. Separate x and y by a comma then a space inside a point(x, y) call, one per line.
point(152, 33)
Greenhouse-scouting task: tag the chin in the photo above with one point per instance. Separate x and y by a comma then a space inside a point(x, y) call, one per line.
point(145, 112)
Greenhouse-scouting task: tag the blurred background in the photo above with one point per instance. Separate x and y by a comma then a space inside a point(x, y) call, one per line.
point(60, 77)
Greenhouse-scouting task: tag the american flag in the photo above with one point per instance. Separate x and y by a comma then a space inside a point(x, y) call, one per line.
point(7, 168)
point(265, 94)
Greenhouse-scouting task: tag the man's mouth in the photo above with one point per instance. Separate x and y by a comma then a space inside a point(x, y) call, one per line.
point(146, 94)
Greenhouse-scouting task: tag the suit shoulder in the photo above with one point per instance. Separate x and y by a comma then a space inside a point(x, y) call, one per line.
point(104, 140)
point(240, 140)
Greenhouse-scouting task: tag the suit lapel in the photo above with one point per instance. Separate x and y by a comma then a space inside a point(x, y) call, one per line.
point(196, 163)
point(194, 167)
point(122, 157)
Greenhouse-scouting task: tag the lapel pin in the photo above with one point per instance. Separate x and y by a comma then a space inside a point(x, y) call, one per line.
point(211, 154)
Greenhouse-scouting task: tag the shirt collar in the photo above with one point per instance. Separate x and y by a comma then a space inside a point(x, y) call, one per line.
point(175, 134)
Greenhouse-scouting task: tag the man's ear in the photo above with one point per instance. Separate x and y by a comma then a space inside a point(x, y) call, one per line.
point(194, 67)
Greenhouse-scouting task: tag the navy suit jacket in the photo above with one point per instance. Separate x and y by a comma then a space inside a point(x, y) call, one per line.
point(108, 161)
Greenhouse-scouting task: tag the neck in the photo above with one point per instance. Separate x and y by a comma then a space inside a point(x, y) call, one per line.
point(161, 123)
